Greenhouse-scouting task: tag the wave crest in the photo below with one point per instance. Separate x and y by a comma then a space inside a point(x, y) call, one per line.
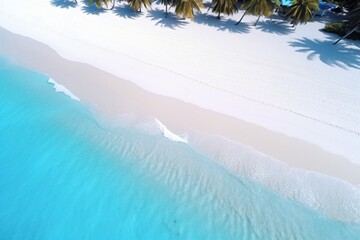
point(61, 88)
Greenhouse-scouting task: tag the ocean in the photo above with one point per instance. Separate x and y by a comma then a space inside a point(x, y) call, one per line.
point(68, 173)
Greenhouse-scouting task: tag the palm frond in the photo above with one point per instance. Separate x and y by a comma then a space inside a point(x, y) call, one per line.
point(136, 4)
point(185, 8)
point(302, 11)
point(260, 7)
point(227, 7)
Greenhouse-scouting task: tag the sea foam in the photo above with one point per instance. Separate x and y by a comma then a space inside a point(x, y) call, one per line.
point(334, 197)
point(60, 88)
point(168, 134)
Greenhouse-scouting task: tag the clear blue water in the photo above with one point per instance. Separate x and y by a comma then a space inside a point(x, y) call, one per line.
point(64, 174)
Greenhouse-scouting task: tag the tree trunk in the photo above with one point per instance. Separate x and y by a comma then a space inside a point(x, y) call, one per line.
point(257, 20)
point(113, 5)
point(293, 23)
point(218, 16)
point(166, 10)
point(353, 30)
point(242, 16)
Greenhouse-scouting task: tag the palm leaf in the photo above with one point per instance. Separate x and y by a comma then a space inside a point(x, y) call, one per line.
point(260, 7)
point(302, 11)
point(185, 8)
point(227, 7)
point(136, 4)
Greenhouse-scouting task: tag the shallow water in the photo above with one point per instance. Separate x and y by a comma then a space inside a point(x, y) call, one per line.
point(67, 174)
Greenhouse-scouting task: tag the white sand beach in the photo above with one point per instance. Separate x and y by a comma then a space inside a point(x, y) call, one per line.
point(288, 93)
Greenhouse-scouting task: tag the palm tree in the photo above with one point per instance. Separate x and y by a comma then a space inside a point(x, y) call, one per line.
point(166, 3)
point(228, 7)
point(136, 4)
point(259, 8)
point(353, 22)
point(185, 8)
point(100, 2)
point(302, 11)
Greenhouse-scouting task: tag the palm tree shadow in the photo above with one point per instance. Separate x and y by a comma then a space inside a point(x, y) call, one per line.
point(275, 27)
point(172, 21)
point(64, 3)
point(220, 24)
point(339, 55)
point(91, 9)
point(229, 25)
point(126, 11)
point(207, 19)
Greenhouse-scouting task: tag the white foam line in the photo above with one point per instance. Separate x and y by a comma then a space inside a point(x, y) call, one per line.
point(168, 134)
point(61, 88)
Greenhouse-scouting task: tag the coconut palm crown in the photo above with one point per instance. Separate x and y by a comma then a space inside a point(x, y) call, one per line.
point(259, 8)
point(227, 7)
point(302, 11)
point(136, 4)
point(185, 8)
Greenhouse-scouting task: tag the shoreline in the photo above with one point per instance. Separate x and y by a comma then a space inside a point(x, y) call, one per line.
point(113, 96)
point(302, 86)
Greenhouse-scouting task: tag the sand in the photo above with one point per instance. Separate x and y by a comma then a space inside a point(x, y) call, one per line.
point(111, 96)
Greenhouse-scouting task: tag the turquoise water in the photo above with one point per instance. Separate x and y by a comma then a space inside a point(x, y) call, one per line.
point(65, 174)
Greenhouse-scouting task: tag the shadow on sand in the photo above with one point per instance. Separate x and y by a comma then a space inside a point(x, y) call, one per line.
point(275, 27)
point(221, 24)
point(125, 11)
point(91, 9)
point(64, 3)
point(339, 55)
point(172, 21)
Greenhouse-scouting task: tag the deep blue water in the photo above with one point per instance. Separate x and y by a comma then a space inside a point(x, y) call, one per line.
point(66, 174)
